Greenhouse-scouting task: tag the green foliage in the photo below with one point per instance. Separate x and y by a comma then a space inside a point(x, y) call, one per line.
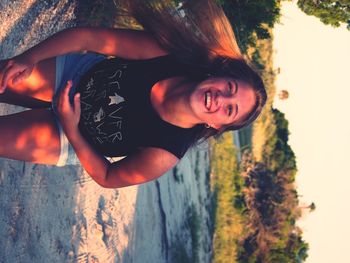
point(239, 202)
point(272, 209)
point(272, 201)
point(294, 251)
point(330, 12)
point(251, 19)
point(238, 199)
point(256, 58)
point(278, 154)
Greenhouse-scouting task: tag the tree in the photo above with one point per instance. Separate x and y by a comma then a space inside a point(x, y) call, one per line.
point(251, 19)
point(281, 155)
point(330, 12)
point(283, 94)
point(272, 209)
point(312, 207)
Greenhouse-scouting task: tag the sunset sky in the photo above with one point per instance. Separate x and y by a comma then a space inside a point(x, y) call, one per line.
point(315, 68)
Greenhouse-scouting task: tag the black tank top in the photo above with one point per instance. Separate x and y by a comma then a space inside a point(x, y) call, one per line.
point(117, 116)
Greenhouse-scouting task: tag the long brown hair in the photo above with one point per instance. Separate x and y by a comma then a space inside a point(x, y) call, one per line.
point(198, 33)
point(195, 29)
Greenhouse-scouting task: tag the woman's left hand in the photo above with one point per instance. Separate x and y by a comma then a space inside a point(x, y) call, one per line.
point(14, 71)
point(69, 115)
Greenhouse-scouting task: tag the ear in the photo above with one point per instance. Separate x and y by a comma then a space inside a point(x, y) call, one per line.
point(215, 126)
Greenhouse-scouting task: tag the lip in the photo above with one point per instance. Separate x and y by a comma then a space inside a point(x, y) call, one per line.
point(211, 101)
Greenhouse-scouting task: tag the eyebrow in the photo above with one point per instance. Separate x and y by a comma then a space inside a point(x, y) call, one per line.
point(236, 90)
point(236, 86)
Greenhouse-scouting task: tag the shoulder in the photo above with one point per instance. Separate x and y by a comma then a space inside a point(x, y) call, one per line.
point(124, 43)
point(139, 44)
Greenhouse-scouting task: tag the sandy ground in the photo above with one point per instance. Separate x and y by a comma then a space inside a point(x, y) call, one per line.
point(51, 214)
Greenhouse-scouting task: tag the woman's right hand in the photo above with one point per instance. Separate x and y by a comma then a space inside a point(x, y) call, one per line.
point(68, 114)
point(14, 70)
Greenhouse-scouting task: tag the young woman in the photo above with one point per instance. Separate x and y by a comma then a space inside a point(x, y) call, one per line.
point(164, 89)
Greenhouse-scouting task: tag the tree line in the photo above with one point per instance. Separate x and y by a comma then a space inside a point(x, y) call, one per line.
point(330, 12)
point(269, 201)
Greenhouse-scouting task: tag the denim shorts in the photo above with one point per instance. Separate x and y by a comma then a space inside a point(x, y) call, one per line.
point(70, 67)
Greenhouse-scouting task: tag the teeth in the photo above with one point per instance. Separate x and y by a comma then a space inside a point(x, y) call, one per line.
point(207, 100)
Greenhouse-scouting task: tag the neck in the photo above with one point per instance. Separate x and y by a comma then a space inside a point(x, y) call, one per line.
point(170, 98)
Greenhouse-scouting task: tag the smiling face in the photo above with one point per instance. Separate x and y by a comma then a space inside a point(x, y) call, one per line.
point(222, 101)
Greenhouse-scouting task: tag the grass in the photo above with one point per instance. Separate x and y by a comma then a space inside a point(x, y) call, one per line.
point(229, 222)
point(263, 128)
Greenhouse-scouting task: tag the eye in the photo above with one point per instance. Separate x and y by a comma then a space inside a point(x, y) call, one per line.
point(230, 89)
point(229, 110)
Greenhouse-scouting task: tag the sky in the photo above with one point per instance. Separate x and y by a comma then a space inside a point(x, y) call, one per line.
point(314, 62)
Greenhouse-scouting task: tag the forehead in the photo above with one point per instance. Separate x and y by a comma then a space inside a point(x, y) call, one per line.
point(226, 79)
point(220, 78)
point(246, 99)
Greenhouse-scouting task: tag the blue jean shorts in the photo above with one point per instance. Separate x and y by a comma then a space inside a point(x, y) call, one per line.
point(70, 67)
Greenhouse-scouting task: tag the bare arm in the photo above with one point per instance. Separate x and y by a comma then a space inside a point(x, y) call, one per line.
point(130, 44)
point(145, 165)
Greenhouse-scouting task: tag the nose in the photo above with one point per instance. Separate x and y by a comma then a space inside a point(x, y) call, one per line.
point(225, 102)
point(225, 98)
